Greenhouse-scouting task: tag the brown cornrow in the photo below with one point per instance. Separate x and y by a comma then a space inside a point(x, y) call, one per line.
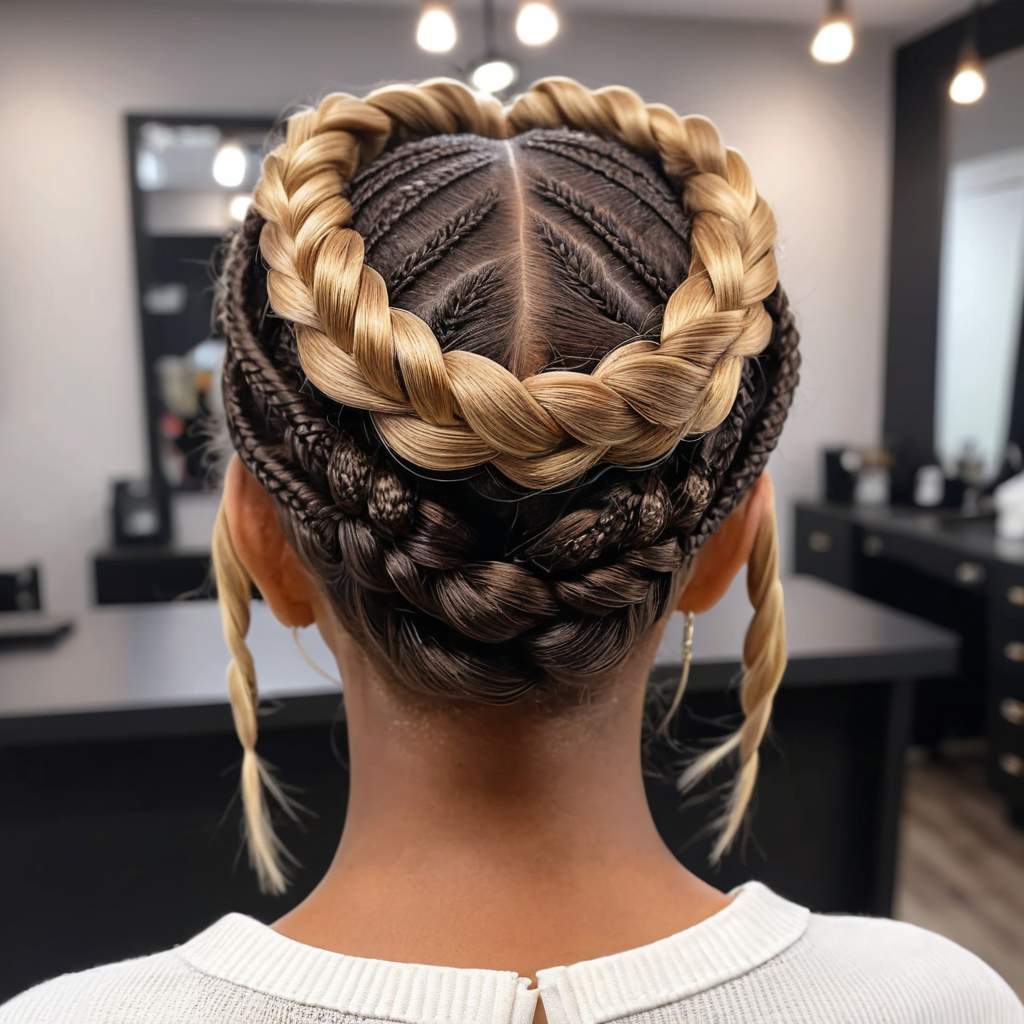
point(463, 300)
point(388, 214)
point(443, 239)
point(588, 152)
point(398, 163)
point(605, 227)
point(585, 272)
point(530, 252)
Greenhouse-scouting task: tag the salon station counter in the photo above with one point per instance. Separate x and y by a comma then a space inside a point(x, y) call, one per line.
point(119, 767)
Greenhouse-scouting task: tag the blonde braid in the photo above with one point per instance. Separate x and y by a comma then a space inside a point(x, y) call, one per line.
point(457, 409)
point(234, 589)
point(764, 661)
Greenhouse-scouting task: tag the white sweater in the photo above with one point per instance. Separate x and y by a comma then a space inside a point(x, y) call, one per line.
point(761, 960)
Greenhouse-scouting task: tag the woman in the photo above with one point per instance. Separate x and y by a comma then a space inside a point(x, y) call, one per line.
point(502, 384)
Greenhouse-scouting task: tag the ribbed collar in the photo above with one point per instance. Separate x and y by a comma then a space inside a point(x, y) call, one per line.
point(756, 926)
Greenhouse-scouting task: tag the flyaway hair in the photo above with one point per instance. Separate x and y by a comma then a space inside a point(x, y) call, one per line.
point(503, 369)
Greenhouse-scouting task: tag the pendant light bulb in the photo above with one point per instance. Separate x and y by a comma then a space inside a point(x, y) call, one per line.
point(493, 75)
point(536, 23)
point(968, 85)
point(436, 31)
point(834, 42)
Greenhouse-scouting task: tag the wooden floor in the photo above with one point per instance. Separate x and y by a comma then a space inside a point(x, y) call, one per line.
point(961, 864)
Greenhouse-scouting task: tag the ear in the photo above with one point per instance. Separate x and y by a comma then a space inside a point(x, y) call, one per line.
point(264, 549)
point(728, 549)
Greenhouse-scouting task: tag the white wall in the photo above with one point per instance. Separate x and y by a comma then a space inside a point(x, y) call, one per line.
point(71, 414)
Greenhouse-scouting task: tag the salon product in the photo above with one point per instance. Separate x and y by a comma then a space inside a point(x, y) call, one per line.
point(1009, 502)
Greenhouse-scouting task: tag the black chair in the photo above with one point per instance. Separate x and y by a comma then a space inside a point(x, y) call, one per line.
point(19, 590)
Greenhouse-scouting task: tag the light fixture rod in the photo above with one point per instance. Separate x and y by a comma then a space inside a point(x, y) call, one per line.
point(488, 15)
point(971, 35)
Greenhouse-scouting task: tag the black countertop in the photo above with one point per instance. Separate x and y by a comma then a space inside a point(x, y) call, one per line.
point(137, 672)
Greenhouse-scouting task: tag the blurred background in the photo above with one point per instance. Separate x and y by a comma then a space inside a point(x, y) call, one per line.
point(888, 136)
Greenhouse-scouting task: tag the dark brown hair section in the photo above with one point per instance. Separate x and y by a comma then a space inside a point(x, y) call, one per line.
point(542, 252)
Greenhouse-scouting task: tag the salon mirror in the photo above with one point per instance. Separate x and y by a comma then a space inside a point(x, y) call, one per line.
point(191, 182)
point(979, 405)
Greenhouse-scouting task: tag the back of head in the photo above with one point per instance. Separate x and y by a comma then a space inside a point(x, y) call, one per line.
point(502, 371)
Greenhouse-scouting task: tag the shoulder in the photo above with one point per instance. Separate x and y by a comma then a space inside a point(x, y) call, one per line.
point(161, 987)
point(900, 966)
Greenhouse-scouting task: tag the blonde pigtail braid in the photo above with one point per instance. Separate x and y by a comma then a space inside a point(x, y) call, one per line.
point(234, 589)
point(764, 662)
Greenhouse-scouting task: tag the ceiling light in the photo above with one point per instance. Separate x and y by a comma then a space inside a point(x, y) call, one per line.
point(239, 207)
point(229, 165)
point(436, 32)
point(834, 41)
point(493, 75)
point(968, 85)
point(536, 24)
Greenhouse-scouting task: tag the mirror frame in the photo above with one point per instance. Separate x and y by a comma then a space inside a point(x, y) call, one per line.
point(923, 69)
point(143, 259)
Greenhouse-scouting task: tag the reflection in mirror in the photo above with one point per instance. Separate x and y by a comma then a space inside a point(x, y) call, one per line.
point(192, 180)
point(981, 291)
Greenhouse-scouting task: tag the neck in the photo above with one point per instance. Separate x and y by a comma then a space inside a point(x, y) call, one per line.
point(497, 837)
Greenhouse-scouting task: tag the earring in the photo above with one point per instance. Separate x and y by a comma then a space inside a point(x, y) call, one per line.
point(684, 675)
point(310, 662)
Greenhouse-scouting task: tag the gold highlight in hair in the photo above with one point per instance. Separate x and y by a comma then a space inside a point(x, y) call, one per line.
point(234, 593)
point(764, 663)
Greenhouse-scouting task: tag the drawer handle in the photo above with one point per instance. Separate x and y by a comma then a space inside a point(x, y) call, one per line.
point(1015, 595)
point(1012, 710)
point(1012, 765)
point(873, 545)
point(1014, 651)
point(819, 541)
point(969, 572)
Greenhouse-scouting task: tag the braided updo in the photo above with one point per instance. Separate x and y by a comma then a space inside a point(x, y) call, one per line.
point(502, 376)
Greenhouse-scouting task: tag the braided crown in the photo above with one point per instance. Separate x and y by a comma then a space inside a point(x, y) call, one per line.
point(451, 410)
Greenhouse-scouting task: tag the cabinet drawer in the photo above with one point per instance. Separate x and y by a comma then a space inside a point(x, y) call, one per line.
point(1006, 711)
point(1006, 646)
point(1006, 591)
point(1004, 770)
point(824, 547)
point(927, 557)
point(1005, 762)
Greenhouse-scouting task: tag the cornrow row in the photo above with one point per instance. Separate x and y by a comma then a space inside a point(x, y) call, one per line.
point(444, 239)
point(464, 299)
point(579, 148)
point(397, 163)
point(411, 196)
point(608, 230)
point(585, 272)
